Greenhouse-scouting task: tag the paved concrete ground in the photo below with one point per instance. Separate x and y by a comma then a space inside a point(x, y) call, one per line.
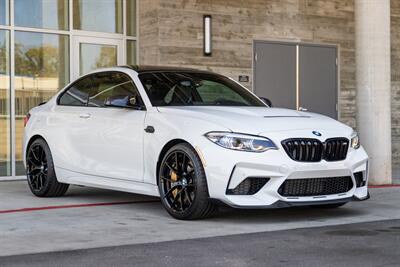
point(39, 231)
point(363, 244)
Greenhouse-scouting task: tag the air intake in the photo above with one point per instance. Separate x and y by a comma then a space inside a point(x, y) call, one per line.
point(315, 186)
point(359, 177)
point(248, 186)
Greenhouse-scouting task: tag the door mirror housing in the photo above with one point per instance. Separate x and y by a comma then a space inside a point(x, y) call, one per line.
point(123, 101)
point(266, 101)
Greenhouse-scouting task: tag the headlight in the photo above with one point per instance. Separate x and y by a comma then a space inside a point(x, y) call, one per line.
point(355, 141)
point(241, 142)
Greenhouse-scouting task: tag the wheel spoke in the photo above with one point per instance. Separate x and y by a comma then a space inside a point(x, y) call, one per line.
point(33, 161)
point(176, 197)
point(170, 190)
point(169, 166)
point(35, 155)
point(35, 182)
point(184, 164)
point(33, 178)
point(42, 179)
point(176, 161)
point(190, 169)
point(182, 199)
point(167, 179)
point(40, 154)
point(35, 171)
point(188, 196)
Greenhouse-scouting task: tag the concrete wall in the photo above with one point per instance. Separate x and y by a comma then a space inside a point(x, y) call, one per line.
point(171, 33)
point(395, 61)
point(236, 24)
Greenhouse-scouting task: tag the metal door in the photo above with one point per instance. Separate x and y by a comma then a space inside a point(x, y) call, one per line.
point(297, 76)
point(318, 79)
point(275, 73)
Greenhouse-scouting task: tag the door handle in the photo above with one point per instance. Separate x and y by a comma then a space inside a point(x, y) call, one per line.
point(302, 109)
point(84, 115)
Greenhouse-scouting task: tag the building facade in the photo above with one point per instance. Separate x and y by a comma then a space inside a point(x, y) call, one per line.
point(44, 44)
point(56, 41)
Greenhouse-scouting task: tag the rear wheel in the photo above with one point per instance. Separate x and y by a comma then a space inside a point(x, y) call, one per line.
point(40, 171)
point(182, 184)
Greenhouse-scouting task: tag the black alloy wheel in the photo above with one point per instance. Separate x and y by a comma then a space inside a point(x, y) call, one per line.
point(40, 171)
point(178, 181)
point(182, 184)
point(37, 167)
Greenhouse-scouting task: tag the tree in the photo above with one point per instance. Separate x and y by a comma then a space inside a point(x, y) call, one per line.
point(37, 61)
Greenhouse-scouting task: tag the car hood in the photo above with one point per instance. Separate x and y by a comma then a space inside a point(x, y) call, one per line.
point(256, 120)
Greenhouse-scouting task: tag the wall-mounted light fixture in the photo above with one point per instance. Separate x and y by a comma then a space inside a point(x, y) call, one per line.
point(207, 35)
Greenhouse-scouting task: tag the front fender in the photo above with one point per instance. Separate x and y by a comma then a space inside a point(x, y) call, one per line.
point(171, 127)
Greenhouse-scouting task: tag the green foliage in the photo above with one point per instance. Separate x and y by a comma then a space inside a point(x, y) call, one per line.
point(37, 61)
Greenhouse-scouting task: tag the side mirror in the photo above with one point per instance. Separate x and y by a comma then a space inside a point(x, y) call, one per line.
point(122, 101)
point(266, 101)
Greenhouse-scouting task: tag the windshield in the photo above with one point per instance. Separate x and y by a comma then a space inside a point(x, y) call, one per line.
point(195, 89)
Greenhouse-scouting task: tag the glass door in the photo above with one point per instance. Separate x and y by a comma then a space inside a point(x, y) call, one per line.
point(90, 53)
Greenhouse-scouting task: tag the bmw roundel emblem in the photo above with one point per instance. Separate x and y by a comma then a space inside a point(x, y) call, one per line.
point(317, 133)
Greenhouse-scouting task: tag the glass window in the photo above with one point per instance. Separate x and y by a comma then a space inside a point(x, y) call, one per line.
point(131, 17)
point(49, 14)
point(98, 15)
point(41, 69)
point(77, 94)
point(131, 52)
point(195, 89)
point(4, 12)
point(5, 120)
point(111, 84)
point(210, 91)
point(95, 56)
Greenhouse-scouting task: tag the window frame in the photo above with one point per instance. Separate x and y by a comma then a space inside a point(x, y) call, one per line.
point(68, 87)
point(91, 77)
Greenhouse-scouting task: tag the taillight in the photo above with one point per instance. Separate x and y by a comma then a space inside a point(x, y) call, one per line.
point(26, 119)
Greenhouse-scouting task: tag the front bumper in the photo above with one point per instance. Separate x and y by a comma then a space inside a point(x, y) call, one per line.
point(225, 169)
point(286, 204)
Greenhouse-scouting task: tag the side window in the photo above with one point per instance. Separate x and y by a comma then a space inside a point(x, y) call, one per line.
point(77, 94)
point(111, 84)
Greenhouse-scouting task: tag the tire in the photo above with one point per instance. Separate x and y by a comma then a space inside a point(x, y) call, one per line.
point(41, 176)
point(182, 184)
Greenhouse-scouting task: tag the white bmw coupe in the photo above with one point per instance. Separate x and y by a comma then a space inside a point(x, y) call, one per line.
point(192, 137)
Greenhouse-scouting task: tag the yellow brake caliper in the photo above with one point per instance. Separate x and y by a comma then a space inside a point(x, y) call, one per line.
point(174, 177)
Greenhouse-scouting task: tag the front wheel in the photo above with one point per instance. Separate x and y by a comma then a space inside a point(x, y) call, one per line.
point(40, 171)
point(182, 184)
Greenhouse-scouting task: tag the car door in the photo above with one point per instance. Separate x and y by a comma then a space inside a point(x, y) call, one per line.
point(114, 146)
point(69, 127)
